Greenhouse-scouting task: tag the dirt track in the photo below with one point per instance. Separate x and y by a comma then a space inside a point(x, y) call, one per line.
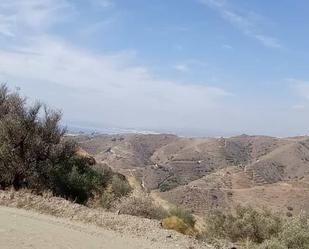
point(53, 222)
point(24, 230)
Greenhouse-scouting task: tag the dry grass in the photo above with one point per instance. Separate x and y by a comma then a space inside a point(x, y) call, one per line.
point(177, 224)
point(142, 206)
point(184, 214)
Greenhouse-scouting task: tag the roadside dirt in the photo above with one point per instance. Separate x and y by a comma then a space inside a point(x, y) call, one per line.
point(25, 229)
point(62, 224)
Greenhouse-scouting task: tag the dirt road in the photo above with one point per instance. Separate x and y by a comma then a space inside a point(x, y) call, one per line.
point(24, 230)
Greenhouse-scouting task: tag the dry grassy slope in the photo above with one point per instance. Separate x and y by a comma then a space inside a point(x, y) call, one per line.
point(155, 158)
point(212, 172)
point(286, 162)
point(124, 152)
point(278, 179)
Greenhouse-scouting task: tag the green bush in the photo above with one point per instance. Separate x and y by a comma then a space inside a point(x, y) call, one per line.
point(261, 228)
point(169, 184)
point(120, 186)
point(34, 153)
point(117, 187)
point(76, 180)
point(246, 224)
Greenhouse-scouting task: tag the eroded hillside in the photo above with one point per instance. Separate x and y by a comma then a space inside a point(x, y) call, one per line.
point(201, 173)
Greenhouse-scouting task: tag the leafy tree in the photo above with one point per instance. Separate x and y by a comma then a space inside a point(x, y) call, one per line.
point(35, 155)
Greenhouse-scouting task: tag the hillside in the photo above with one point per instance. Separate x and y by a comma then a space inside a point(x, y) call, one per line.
point(201, 173)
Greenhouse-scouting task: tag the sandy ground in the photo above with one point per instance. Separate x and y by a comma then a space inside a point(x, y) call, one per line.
point(44, 221)
point(24, 230)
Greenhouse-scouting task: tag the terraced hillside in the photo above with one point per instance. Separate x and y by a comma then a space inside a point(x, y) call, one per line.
point(201, 173)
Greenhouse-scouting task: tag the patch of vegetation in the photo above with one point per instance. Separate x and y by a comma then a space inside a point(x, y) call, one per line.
point(295, 233)
point(184, 214)
point(142, 207)
point(259, 229)
point(35, 155)
point(170, 183)
point(120, 186)
point(180, 220)
point(245, 224)
point(75, 180)
point(269, 244)
point(177, 224)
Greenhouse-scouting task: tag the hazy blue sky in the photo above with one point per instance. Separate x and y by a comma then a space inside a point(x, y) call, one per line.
point(208, 67)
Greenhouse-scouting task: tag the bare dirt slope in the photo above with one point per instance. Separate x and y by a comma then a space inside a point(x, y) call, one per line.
point(161, 159)
point(202, 173)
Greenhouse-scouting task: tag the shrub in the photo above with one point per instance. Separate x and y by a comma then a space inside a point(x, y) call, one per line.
point(76, 180)
point(142, 207)
point(177, 224)
point(270, 244)
point(246, 224)
point(169, 184)
point(262, 229)
point(31, 143)
point(35, 155)
point(117, 187)
point(107, 199)
point(120, 186)
point(295, 233)
point(184, 214)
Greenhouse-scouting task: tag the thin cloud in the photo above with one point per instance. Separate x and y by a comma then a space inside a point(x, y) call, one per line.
point(301, 87)
point(227, 46)
point(181, 67)
point(267, 41)
point(242, 21)
point(299, 107)
point(19, 17)
point(5, 30)
point(89, 86)
point(97, 27)
point(116, 89)
point(103, 3)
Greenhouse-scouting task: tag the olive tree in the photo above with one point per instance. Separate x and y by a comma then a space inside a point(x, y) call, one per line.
point(34, 153)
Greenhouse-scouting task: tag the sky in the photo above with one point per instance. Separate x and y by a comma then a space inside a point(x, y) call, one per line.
point(191, 67)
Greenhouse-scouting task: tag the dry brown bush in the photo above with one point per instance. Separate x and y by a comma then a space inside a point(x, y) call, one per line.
point(142, 207)
point(184, 214)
